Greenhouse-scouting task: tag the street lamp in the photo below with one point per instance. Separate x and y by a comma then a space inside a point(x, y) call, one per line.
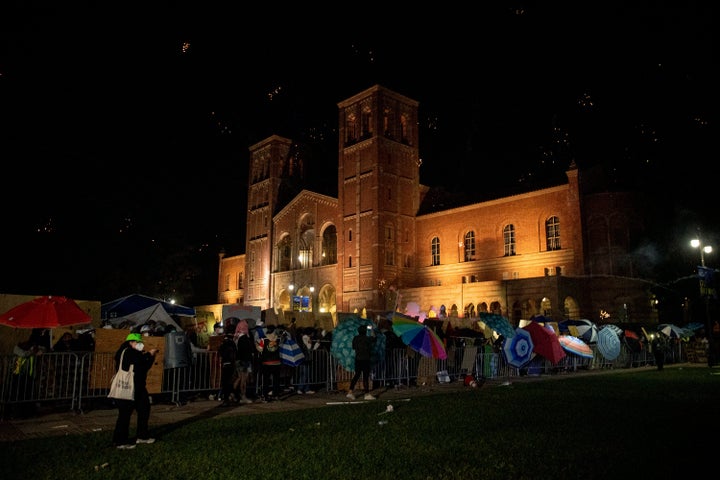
point(697, 243)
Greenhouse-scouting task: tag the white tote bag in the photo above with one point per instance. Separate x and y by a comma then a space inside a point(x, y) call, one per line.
point(122, 385)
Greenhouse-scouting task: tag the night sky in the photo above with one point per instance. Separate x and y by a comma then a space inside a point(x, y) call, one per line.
point(125, 133)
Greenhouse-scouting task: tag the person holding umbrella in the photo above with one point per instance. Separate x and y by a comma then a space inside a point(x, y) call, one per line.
point(363, 346)
point(141, 361)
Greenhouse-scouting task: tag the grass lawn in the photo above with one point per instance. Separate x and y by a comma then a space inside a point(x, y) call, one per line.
point(644, 424)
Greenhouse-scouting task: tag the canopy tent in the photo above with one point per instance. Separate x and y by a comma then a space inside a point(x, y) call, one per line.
point(155, 313)
point(134, 303)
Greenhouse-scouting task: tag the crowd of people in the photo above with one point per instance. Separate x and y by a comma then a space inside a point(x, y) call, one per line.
point(246, 350)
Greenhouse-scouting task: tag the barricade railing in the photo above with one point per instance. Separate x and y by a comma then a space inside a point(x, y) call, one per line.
point(74, 378)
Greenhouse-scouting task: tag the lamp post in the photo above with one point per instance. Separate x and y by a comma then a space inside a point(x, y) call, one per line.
point(697, 243)
point(291, 288)
point(312, 299)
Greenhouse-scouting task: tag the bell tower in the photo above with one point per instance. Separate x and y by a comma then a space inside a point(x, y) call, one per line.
point(269, 163)
point(378, 195)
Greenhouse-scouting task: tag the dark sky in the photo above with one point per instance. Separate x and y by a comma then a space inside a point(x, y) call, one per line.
point(127, 129)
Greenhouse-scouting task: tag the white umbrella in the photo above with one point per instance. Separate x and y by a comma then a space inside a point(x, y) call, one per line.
point(673, 331)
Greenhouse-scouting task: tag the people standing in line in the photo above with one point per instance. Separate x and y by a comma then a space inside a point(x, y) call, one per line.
point(41, 338)
point(141, 361)
point(25, 378)
point(268, 348)
point(362, 344)
point(243, 364)
point(65, 344)
point(227, 355)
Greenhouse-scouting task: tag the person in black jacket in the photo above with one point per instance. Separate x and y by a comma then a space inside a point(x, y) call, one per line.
point(243, 364)
point(227, 355)
point(141, 361)
point(362, 344)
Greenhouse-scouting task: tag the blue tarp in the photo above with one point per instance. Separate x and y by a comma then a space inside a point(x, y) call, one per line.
point(133, 303)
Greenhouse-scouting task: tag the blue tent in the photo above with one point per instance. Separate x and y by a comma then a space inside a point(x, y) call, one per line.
point(132, 303)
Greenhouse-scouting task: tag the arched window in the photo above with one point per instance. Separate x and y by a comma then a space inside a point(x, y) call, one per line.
point(284, 254)
point(469, 246)
point(552, 233)
point(435, 251)
point(351, 129)
point(509, 240)
point(366, 121)
point(386, 123)
point(404, 129)
point(329, 246)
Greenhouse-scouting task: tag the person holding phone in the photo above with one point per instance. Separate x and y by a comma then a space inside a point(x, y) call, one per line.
point(363, 344)
point(142, 361)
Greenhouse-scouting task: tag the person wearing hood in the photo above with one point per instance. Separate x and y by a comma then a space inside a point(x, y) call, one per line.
point(141, 361)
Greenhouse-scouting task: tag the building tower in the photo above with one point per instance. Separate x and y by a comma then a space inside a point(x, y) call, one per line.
point(378, 196)
point(269, 164)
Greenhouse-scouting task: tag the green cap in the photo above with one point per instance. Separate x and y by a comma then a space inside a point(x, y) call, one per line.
point(134, 337)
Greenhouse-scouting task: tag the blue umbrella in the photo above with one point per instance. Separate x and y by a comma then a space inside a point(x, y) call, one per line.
point(582, 328)
point(673, 331)
point(608, 343)
point(518, 349)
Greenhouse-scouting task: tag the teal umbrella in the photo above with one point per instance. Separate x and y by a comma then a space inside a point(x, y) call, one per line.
point(343, 334)
point(498, 323)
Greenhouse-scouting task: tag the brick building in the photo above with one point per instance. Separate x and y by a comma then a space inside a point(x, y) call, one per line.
point(557, 251)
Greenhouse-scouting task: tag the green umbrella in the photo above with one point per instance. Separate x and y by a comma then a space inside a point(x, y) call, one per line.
point(343, 334)
point(498, 323)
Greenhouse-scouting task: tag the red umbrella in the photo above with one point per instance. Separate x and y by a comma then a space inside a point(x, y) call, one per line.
point(45, 312)
point(545, 342)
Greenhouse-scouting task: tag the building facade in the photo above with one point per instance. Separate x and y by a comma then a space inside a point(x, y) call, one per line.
point(380, 244)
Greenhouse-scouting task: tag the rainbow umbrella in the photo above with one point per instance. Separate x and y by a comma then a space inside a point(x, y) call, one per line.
point(418, 336)
point(575, 345)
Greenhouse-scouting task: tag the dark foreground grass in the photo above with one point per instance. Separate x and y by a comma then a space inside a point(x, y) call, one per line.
point(645, 424)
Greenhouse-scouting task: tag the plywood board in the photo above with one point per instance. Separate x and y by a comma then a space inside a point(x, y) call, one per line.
point(107, 341)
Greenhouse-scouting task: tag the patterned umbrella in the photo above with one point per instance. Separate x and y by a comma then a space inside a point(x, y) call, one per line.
point(575, 345)
point(343, 334)
point(518, 349)
point(583, 329)
point(498, 323)
point(608, 343)
point(418, 336)
point(618, 331)
point(673, 331)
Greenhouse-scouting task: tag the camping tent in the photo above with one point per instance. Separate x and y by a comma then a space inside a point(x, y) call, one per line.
point(156, 313)
point(134, 303)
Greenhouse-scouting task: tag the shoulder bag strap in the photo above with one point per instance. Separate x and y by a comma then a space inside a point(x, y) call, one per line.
point(120, 365)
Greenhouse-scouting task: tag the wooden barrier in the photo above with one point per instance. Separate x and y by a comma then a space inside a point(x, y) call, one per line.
point(108, 341)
